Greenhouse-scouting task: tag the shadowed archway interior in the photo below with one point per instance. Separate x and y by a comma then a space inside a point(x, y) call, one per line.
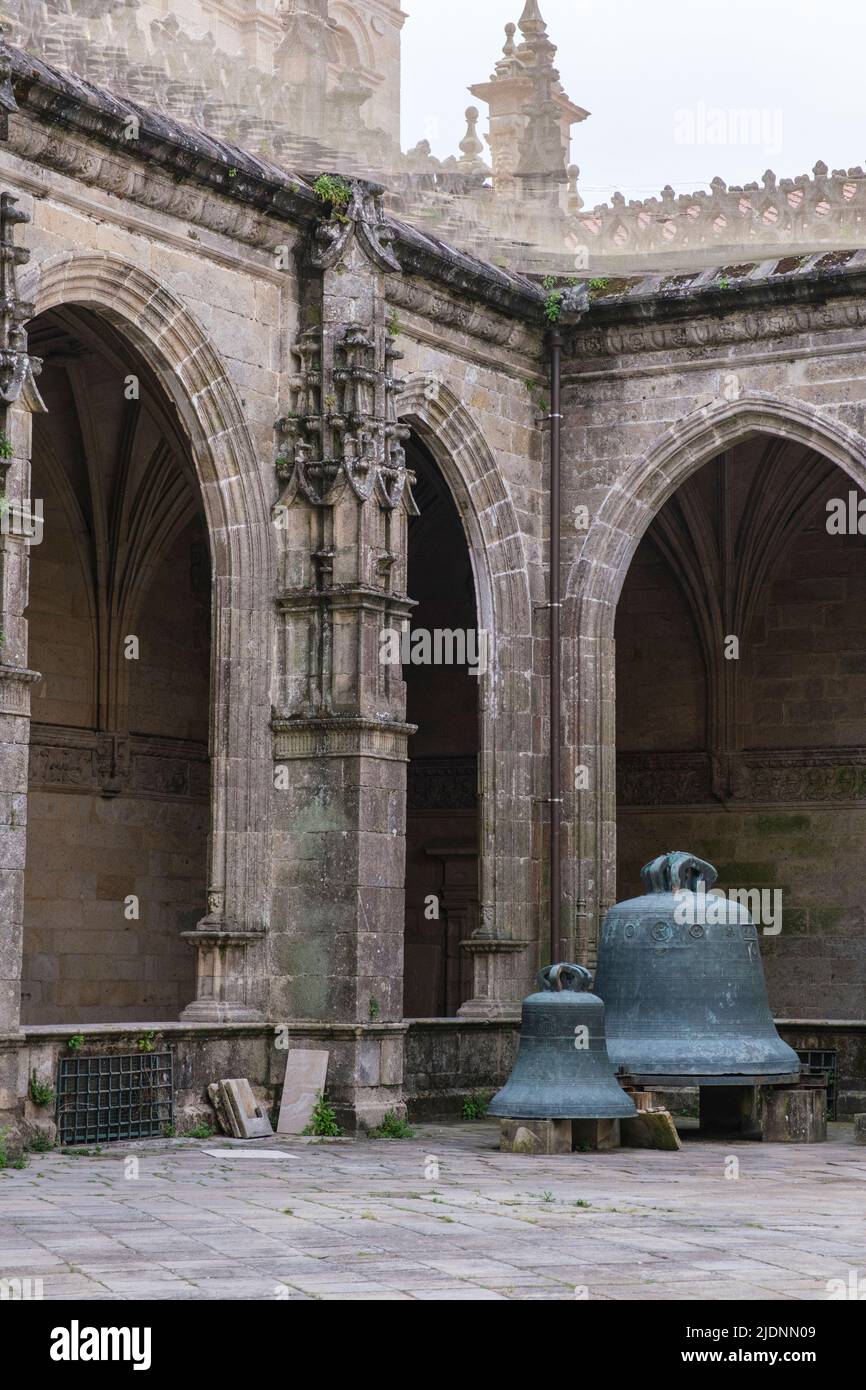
point(442, 893)
point(741, 706)
point(119, 622)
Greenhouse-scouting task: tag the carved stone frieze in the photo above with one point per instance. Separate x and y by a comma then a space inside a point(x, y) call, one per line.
point(115, 765)
point(442, 784)
point(788, 321)
point(807, 775)
point(339, 738)
point(472, 318)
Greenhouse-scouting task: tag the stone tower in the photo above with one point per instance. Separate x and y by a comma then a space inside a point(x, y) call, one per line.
point(530, 113)
point(368, 32)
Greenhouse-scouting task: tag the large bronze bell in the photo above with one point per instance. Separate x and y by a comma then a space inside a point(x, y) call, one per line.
point(562, 1070)
point(680, 974)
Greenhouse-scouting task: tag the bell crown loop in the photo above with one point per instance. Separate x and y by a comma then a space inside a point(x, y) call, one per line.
point(552, 976)
point(675, 871)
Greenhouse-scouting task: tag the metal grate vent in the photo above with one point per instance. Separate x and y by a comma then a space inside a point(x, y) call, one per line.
point(128, 1096)
point(822, 1062)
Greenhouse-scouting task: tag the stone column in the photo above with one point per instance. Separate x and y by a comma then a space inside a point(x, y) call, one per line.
point(340, 736)
point(18, 399)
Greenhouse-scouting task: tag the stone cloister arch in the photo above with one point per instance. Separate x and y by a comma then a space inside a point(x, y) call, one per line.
point(593, 590)
point(230, 983)
point(468, 466)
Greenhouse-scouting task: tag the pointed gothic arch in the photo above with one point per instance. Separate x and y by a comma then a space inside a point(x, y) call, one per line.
point(496, 550)
point(197, 383)
point(593, 591)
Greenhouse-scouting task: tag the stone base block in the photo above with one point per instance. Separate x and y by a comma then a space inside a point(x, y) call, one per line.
point(650, 1129)
point(535, 1136)
point(795, 1115)
point(596, 1135)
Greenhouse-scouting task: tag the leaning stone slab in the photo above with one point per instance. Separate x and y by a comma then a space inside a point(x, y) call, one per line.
point(246, 1117)
point(306, 1073)
point(216, 1099)
point(650, 1129)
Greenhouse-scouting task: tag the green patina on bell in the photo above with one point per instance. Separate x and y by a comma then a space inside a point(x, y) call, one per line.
point(562, 1070)
point(680, 974)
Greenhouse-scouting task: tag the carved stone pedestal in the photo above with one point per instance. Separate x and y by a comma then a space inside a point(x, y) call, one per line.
point(493, 993)
point(221, 980)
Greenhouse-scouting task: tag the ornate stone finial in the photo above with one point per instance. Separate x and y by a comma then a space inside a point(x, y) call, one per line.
point(575, 202)
point(542, 161)
point(531, 23)
point(470, 145)
point(510, 46)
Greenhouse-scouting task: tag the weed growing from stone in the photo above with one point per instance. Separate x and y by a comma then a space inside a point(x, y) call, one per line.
point(41, 1092)
point(392, 1127)
point(202, 1131)
point(330, 188)
point(475, 1106)
point(323, 1121)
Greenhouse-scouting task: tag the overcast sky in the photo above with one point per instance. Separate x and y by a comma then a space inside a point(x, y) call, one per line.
point(666, 82)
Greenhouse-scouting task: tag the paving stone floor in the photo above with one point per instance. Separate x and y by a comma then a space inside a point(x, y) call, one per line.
point(374, 1219)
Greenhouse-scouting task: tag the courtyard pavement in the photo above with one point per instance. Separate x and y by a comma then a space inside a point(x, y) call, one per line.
point(441, 1216)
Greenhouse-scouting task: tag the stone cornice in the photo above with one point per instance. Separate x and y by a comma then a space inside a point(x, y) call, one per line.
point(66, 124)
point(759, 300)
point(840, 307)
point(79, 129)
point(465, 315)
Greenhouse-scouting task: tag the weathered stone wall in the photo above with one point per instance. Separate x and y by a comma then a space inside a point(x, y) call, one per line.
point(448, 1060)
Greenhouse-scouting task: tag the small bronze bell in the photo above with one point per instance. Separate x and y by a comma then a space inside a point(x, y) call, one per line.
point(680, 974)
point(562, 1070)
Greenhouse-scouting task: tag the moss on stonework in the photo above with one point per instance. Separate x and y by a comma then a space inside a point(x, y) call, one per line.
point(736, 272)
point(826, 919)
point(608, 286)
point(781, 825)
point(834, 258)
point(788, 264)
point(747, 875)
point(795, 922)
point(676, 282)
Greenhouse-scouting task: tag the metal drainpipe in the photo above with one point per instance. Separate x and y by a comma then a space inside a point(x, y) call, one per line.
point(555, 645)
